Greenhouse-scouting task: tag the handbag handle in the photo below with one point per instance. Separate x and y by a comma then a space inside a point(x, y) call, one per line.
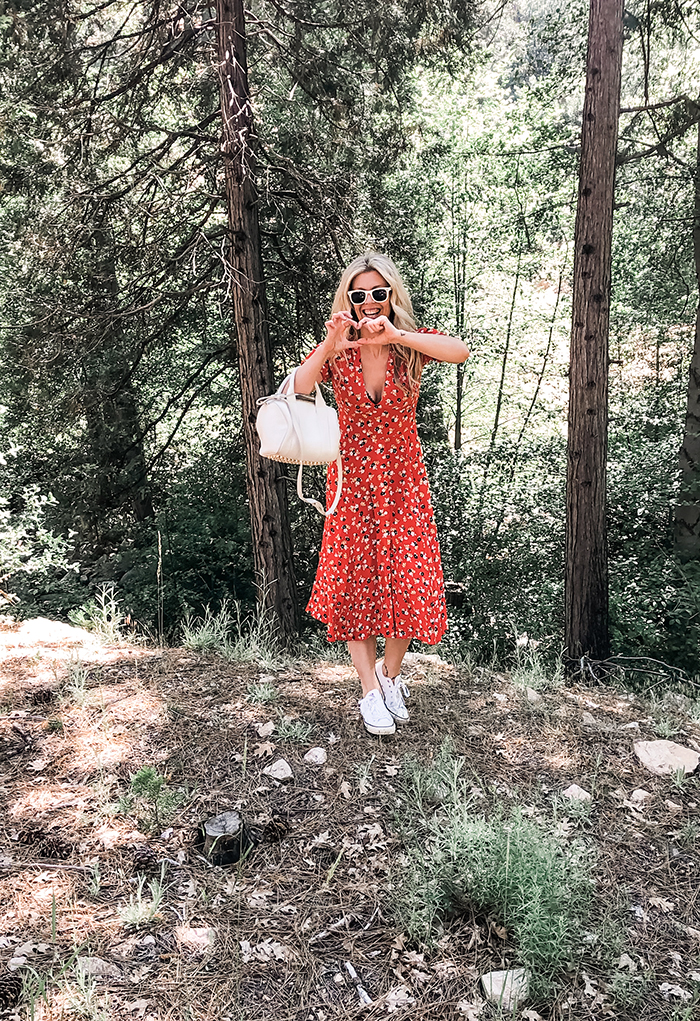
point(291, 392)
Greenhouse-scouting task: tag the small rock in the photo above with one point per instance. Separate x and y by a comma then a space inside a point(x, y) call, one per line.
point(280, 771)
point(16, 962)
point(507, 988)
point(663, 758)
point(577, 793)
point(316, 756)
point(532, 695)
point(639, 796)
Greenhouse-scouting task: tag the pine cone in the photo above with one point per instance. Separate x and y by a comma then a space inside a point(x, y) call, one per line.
point(53, 846)
point(41, 696)
point(30, 835)
point(10, 989)
point(144, 859)
point(277, 828)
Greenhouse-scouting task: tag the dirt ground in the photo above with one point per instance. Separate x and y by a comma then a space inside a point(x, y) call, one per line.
point(302, 929)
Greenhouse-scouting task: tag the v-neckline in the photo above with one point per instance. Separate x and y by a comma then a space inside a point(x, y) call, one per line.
point(364, 385)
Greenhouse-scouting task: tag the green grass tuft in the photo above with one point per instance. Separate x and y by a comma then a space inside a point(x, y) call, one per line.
point(506, 866)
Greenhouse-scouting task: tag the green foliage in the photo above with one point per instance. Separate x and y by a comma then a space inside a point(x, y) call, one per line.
point(262, 691)
point(293, 731)
point(103, 616)
point(506, 866)
point(31, 554)
point(75, 687)
point(233, 634)
point(150, 799)
point(139, 910)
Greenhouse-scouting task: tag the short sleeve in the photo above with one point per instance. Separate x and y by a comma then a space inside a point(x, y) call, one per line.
point(426, 359)
point(326, 369)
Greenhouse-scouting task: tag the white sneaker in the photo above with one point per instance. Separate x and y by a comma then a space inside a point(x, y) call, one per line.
point(375, 716)
point(394, 691)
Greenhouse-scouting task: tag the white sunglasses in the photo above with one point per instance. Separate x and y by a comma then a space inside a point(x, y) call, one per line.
point(379, 294)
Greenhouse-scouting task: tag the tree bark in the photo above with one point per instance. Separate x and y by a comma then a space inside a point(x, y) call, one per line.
point(267, 497)
point(687, 515)
point(586, 585)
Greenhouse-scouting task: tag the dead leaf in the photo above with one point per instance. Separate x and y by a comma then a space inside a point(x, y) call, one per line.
point(391, 770)
point(322, 840)
point(590, 985)
point(668, 990)
point(139, 1005)
point(664, 905)
point(470, 1010)
point(398, 998)
point(346, 790)
point(263, 749)
point(97, 968)
point(627, 962)
point(258, 900)
point(139, 974)
point(268, 950)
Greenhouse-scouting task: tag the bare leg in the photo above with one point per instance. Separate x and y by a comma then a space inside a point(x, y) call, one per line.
point(364, 656)
point(394, 651)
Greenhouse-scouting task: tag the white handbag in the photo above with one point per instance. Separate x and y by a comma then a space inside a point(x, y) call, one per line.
point(300, 429)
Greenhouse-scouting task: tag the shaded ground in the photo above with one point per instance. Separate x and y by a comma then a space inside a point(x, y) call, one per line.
point(270, 938)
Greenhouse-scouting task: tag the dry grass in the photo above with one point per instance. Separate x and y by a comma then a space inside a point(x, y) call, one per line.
point(317, 893)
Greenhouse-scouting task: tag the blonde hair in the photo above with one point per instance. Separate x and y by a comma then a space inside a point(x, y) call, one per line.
point(401, 308)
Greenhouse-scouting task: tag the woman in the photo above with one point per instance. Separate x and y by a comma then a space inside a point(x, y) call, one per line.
point(379, 571)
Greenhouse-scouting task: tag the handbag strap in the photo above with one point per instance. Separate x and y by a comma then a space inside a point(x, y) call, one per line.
point(315, 503)
point(290, 392)
point(287, 388)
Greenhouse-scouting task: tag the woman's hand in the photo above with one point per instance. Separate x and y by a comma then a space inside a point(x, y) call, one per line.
point(378, 331)
point(340, 333)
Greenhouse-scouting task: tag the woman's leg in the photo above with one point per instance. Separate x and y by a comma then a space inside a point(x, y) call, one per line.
point(394, 651)
point(364, 656)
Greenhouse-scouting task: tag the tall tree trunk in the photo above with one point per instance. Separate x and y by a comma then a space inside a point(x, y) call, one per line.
point(687, 517)
point(267, 497)
point(586, 585)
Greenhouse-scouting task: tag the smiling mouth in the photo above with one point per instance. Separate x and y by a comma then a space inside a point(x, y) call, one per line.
point(371, 313)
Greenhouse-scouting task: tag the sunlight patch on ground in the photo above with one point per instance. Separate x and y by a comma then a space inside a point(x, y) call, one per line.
point(38, 801)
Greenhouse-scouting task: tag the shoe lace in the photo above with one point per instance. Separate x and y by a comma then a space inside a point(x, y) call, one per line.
point(397, 686)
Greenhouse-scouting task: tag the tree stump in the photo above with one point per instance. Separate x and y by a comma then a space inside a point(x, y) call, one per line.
point(226, 838)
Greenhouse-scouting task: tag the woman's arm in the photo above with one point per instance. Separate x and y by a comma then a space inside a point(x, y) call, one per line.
point(337, 340)
point(435, 345)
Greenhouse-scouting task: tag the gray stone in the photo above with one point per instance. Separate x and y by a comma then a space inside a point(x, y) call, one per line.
point(507, 988)
point(577, 793)
point(663, 758)
point(280, 771)
point(316, 756)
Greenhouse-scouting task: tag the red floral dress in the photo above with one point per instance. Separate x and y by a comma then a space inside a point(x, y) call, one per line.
point(379, 571)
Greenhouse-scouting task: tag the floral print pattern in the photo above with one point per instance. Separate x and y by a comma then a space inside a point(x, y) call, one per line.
point(379, 570)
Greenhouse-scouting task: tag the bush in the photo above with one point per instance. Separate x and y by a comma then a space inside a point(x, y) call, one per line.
point(506, 866)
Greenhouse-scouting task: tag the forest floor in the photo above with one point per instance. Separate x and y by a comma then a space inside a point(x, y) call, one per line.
point(271, 937)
